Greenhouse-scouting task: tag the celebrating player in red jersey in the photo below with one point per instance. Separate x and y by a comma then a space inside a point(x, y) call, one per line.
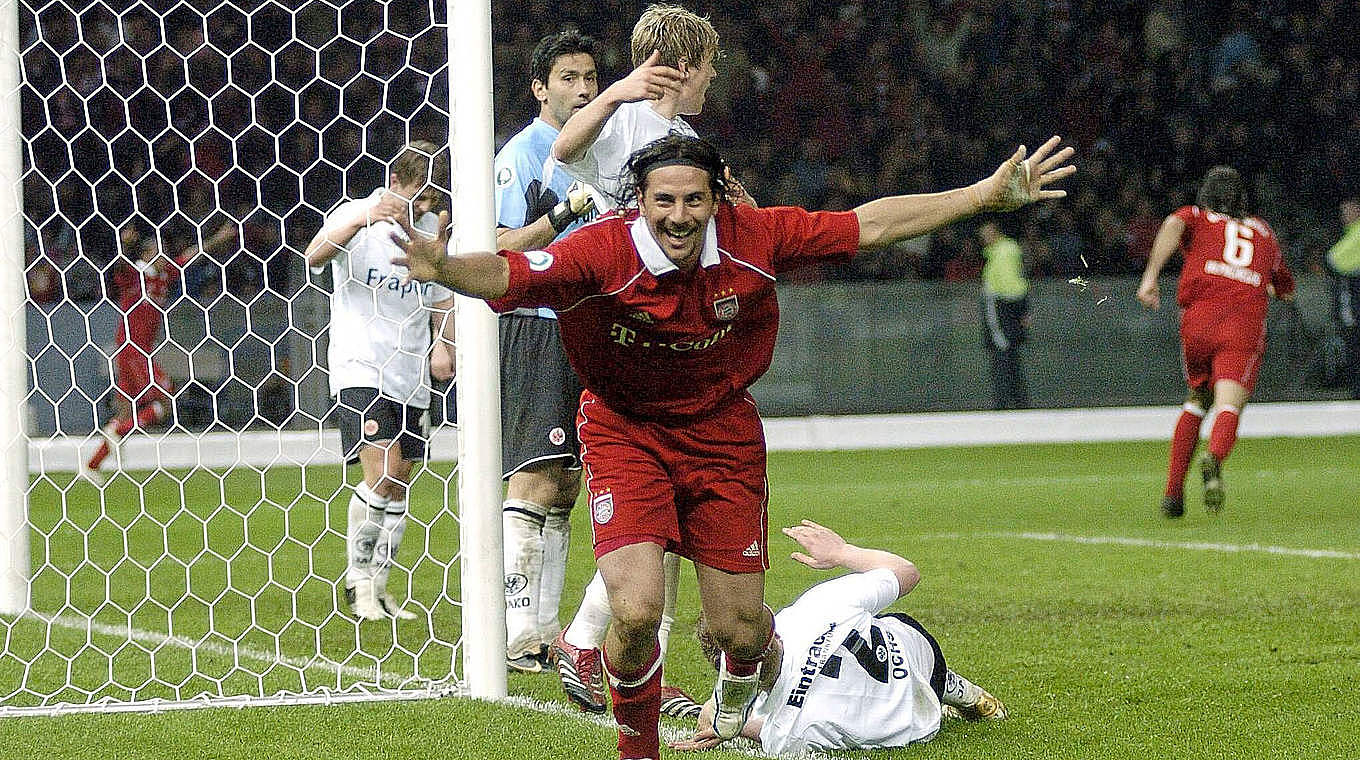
point(142, 386)
point(1232, 263)
point(668, 314)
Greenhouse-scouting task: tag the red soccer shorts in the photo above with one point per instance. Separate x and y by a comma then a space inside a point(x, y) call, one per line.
point(1209, 355)
point(140, 379)
point(697, 488)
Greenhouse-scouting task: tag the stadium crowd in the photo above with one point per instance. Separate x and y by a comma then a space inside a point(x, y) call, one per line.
point(817, 104)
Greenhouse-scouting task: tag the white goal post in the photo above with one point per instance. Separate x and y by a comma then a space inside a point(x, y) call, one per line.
point(207, 574)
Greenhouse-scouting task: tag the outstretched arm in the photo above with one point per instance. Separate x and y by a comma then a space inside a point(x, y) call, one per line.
point(1163, 247)
point(651, 81)
point(824, 549)
point(1018, 182)
point(482, 275)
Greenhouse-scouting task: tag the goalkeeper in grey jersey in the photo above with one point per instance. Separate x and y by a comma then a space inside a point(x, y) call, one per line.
point(844, 676)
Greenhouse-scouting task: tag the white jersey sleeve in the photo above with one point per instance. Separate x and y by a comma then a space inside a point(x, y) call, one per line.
point(631, 127)
point(848, 679)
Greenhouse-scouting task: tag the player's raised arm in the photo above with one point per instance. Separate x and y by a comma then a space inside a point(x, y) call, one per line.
point(650, 81)
point(1163, 247)
point(482, 275)
point(824, 549)
point(339, 228)
point(1016, 183)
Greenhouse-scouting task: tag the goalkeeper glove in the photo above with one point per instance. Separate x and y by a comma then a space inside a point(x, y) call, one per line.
point(577, 204)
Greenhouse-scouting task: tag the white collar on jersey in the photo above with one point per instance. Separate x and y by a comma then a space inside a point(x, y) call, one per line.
point(655, 259)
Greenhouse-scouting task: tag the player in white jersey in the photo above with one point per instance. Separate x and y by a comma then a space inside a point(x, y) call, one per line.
point(846, 676)
point(673, 52)
point(380, 362)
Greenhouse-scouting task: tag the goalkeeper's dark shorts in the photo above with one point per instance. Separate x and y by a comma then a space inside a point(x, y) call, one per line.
point(367, 418)
point(539, 395)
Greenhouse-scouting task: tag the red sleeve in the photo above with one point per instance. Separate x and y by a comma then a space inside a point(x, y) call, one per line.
point(802, 237)
point(1189, 215)
point(1280, 277)
point(560, 275)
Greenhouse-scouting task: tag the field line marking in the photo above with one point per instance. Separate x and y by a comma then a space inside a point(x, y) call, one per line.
point(1155, 476)
point(236, 653)
point(1160, 544)
point(668, 732)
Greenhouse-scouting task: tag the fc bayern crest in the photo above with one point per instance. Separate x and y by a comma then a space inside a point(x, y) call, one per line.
point(726, 308)
point(602, 507)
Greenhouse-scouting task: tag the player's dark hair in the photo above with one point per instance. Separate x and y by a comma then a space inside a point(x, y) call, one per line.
point(674, 150)
point(554, 46)
point(1223, 191)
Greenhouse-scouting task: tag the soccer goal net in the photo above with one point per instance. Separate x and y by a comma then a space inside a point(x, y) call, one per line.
point(203, 561)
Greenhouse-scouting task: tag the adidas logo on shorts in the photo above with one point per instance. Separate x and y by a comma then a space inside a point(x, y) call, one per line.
point(752, 551)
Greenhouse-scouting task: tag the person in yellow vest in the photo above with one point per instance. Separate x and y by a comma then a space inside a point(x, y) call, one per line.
point(1344, 260)
point(1005, 315)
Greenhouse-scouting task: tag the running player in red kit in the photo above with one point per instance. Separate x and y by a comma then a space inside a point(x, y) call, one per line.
point(1232, 264)
point(668, 314)
point(143, 388)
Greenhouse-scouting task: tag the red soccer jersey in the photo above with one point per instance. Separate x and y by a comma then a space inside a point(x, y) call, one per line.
point(142, 289)
point(653, 342)
point(1228, 265)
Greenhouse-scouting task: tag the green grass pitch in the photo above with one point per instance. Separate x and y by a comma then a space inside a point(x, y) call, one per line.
point(1048, 576)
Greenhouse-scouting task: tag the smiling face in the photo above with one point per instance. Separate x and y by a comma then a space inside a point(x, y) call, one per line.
point(677, 202)
point(572, 83)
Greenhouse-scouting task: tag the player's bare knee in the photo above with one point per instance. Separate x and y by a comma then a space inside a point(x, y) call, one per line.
point(1200, 397)
point(540, 485)
point(636, 619)
point(741, 632)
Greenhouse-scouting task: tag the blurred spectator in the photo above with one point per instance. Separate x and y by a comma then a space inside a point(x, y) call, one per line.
point(816, 103)
point(1344, 261)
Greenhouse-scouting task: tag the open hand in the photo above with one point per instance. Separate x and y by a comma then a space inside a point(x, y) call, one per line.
point(736, 192)
point(822, 546)
point(649, 81)
point(704, 736)
point(423, 256)
point(1020, 181)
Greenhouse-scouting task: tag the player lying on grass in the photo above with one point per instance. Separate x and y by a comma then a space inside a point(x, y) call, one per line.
point(669, 313)
point(843, 674)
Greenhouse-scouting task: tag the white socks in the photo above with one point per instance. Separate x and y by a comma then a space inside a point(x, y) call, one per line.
point(556, 538)
point(959, 691)
point(587, 629)
point(389, 541)
point(367, 511)
point(523, 523)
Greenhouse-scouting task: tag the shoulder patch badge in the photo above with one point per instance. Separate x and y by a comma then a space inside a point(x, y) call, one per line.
point(504, 176)
point(539, 261)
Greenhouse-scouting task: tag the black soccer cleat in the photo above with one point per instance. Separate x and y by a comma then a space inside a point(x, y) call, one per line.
point(678, 704)
point(1212, 470)
point(1173, 506)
